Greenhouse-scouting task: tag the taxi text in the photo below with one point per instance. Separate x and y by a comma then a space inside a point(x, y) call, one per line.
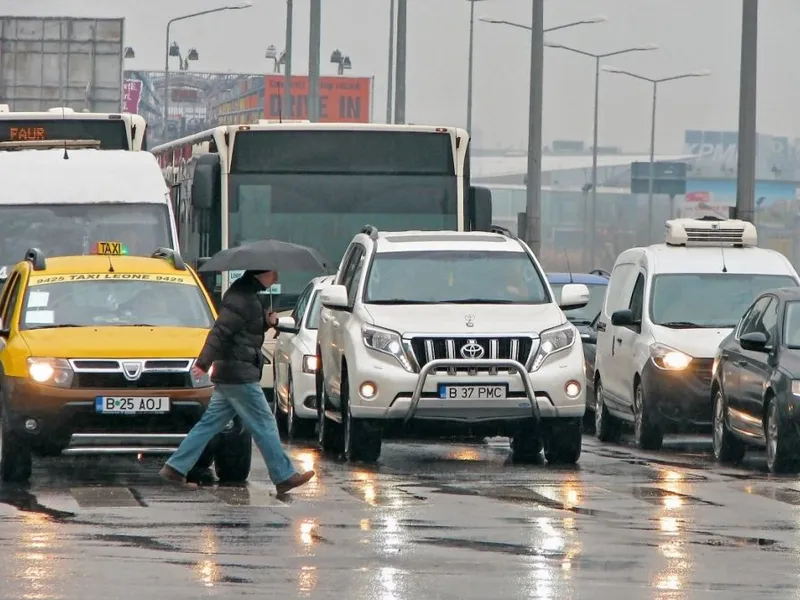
point(103, 276)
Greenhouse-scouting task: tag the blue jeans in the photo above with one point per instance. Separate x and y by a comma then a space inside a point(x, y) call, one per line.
point(246, 400)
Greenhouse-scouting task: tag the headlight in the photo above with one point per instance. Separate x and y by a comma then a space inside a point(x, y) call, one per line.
point(50, 371)
point(204, 380)
point(386, 342)
point(668, 358)
point(309, 363)
point(552, 341)
point(796, 387)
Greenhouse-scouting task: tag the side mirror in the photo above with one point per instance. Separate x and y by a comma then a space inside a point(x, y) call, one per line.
point(622, 318)
point(480, 208)
point(206, 181)
point(574, 295)
point(755, 341)
point(334, 297)
point(3, 331)
point(287, 325)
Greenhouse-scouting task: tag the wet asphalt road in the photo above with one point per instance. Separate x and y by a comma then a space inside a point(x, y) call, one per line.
point(432, 521)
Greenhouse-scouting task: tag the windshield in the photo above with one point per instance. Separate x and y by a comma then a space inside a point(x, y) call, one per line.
point(313, 312)
point(115, 303)
point(72, 229)
point(586, 314)
point(468, 277)
point(326, 211)
point(706, 299)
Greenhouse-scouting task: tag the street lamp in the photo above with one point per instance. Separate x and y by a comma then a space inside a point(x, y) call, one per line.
point(278, 60)
point(168, 52)
point(344, 62)
point(597, 58)
point(129, 52)
point(655, 82)
point(533, 202)
point(470, 63)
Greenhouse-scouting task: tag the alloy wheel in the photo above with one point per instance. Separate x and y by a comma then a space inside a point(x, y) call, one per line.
point(772, 431)
point(719, 424)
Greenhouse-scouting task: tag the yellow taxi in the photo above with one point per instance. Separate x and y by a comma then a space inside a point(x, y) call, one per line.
point(96, 355)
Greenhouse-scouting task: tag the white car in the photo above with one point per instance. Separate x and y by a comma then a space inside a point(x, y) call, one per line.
point(295, 364)
point(444, 331)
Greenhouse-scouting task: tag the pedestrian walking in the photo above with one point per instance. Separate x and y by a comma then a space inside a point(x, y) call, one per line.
point(233, 347)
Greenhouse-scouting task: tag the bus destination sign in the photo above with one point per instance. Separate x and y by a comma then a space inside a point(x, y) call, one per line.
point(110, 133)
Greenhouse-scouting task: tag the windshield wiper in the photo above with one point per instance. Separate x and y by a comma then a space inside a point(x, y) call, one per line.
point(477, 301)
point(58, 326)
point(682, 325)
point(133, 325)
point(399, 301)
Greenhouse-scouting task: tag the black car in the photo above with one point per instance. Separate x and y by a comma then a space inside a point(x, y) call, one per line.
point(756, 383)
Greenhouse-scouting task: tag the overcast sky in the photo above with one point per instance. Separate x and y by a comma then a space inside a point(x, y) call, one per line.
point(691, 34)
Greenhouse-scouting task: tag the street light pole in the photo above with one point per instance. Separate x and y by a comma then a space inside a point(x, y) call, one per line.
point(597, 58)
point(390, 71)
point(402, 38)
point(286, 102)
point(651, 176)
point(238, 6)
point(315, 27)
point(748, 84)
point(470, 67)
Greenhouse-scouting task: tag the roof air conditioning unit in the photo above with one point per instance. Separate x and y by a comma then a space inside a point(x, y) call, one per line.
point(4, 108)
point(711, 231)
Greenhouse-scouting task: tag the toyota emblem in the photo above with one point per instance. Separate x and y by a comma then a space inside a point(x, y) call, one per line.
point(472, 350)
point(470, 320)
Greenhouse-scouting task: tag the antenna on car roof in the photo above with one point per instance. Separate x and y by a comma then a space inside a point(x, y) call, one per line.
point(569, 269)
point(722, 252)
point(110, 265)
point(64, 118)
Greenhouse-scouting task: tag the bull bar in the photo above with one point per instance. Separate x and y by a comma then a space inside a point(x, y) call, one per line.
point(485, 364)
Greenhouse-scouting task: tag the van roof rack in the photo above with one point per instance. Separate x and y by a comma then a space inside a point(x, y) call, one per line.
point(172, 256)
point(36, 258)
point(371, 231)
point(501, 231)
point(710, 231)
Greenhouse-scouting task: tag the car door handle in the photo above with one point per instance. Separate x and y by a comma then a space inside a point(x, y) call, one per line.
point(741, 363)
point(619, 340)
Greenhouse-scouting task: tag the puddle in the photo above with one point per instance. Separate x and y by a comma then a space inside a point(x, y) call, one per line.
point(134, 541)
point(503, 548)
point(523, 495)
point(785, 495)
point(105, 497)
point(661, 497)
point(23, 500)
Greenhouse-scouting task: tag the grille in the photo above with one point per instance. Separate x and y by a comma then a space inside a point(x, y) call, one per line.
point(117, 380)
point(426, 349)
point(715, 236)
point(701, 367)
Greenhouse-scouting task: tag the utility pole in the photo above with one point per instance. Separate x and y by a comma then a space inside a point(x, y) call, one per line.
point(746, 172)
point(390, 71)
point(286, 103)
point(533, 205)
point(314, 35)
point(400, 91)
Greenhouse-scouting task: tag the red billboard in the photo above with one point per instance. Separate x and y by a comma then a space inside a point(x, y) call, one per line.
point(341, 99)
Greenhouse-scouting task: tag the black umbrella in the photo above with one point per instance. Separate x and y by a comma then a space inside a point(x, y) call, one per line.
point(267, 255)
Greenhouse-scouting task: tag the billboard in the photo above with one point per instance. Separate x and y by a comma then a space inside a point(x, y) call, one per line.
point(715, 196)
point(718, 152)
point(131, 95)
point(341, 99)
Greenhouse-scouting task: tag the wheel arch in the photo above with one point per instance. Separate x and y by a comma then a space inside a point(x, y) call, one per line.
point(769, 396)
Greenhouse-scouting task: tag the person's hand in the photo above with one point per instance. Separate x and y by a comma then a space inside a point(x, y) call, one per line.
point(197, 372)
point(272, 319)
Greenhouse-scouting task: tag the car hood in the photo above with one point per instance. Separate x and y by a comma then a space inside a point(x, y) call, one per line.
point(453, 318)
point(700, 343)
point(115, 342)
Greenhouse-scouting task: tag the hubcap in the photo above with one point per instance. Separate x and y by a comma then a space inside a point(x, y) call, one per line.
point(638, 402)
point(598, 408)
point(719, 424)
point(772, 431)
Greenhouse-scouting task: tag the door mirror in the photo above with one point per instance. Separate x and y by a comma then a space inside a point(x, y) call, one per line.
point(287, 325)
point(3, 331)
point(480, 208)
point(755, 340)
point(622, 318)
point(574, 295)
point(334, 297)
point(206, 181)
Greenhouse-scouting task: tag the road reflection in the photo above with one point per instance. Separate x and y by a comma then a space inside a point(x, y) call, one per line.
point(36, 561)
point(207, 570)
point(671, 580)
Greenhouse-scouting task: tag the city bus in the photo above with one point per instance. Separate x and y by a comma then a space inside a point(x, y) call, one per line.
point(316, 184)
point(107, 131)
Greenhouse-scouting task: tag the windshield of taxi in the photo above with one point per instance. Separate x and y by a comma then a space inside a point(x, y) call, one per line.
point(708, 299)
point(114, 302)
point(462, 276)
point(70, 229)
point(586, 314)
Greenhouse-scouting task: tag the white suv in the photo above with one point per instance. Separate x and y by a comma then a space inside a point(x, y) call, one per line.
point(443, 332)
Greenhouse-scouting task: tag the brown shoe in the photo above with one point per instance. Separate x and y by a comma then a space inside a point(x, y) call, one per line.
point(294, 481)
point(172, 476)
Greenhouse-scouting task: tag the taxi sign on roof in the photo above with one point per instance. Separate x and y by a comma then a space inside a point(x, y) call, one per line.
point(110, 248)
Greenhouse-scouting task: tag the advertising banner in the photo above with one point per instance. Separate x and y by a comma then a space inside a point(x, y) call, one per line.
point(131, 95)
point(341, 99)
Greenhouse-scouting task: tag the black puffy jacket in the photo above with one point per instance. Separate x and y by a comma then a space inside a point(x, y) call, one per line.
point(234, 344)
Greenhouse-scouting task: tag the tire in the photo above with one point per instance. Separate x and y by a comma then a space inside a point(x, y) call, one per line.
point(728, 449)
point(526, 445)
point(648, 433)
point(362, 438)
point(782, 441)
point(562, 441)
point(329, 433)
point(16, 459)
point(233, 455)
point(607, 427)
point(296, 429)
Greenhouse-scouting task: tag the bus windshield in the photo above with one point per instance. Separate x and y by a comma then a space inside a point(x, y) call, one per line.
point(71, 229)
point(320, 188)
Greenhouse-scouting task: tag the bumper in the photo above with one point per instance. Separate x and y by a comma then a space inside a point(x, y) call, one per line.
point(305, 394)
point(67, 421)
point(405, 396)
point(682, 399)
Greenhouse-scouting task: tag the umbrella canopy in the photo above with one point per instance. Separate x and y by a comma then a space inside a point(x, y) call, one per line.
point(267, 255)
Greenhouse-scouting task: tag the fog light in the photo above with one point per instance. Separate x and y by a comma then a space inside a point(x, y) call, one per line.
point(368, 390)
point(572, 389)
point(31, 425)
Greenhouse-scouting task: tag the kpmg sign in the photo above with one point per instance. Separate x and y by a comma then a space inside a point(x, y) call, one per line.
point(718, 152)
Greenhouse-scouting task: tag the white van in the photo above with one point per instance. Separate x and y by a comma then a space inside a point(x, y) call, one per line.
point(667, 308)
point(63, 201)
